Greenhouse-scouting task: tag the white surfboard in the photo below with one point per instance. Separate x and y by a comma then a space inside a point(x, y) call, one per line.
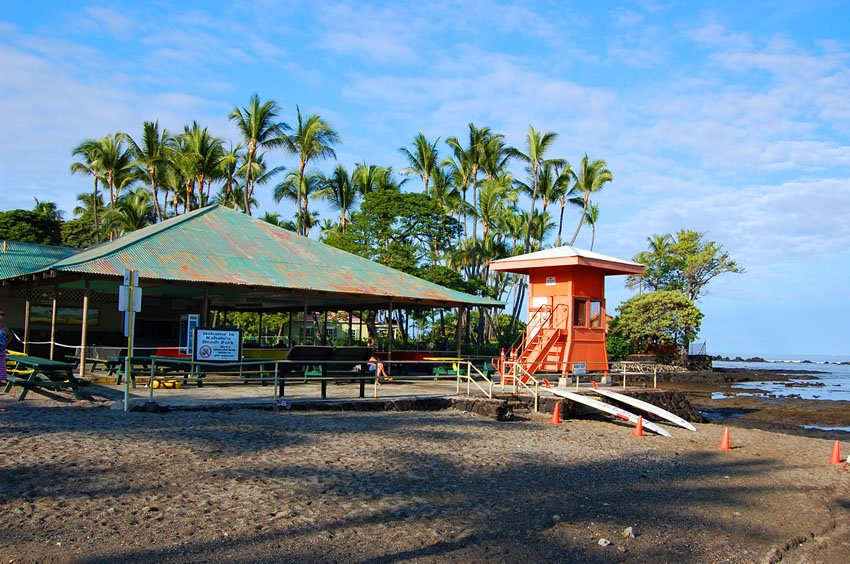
point(608, 408)
point(647, 407)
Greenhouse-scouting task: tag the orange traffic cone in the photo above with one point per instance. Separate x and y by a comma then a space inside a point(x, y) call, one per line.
point(638, 432)
point(556, 415)
point(836, 453)
point(725, 443)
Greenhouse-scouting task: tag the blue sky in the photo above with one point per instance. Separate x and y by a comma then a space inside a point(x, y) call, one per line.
point(726, 117)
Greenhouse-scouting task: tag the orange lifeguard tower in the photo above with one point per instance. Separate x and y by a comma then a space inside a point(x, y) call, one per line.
point(566, 307)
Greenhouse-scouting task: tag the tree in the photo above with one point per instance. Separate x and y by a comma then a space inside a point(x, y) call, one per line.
point(116, 164)
point(664, 317)
point(339, 191)
point(685, 263)
point(422, 161)
point(256, 122)
point(538, 144)
point(90, 164)
point(134, 210)
point(591, 216)
point(591, 177)
point(30, 227)
point(396, 228)
point(312, 139)
point(151, 157)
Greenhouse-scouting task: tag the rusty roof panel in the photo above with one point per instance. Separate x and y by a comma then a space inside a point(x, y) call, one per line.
point(222, 246)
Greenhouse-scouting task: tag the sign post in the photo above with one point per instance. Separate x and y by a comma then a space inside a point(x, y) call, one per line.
point(130, 302)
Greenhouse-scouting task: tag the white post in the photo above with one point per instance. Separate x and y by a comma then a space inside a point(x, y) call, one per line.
point(84, 331)
point(53, 321)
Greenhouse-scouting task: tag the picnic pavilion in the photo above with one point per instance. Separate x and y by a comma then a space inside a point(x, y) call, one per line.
point(211, 259)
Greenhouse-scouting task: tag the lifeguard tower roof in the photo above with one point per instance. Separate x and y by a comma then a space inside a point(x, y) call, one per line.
point(566, 256)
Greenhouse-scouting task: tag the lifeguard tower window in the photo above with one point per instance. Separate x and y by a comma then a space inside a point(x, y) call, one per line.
point(595, 314)
point(580, 312)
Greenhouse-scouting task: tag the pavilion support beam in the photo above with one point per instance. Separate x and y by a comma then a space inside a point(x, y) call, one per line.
point(303, 337)
point(84, 331)
point(53, 321)
point(390, 337)
point(260, 330)
point(205, 308)
point(459, 333)
point(27, 308)
point(325, 330)
point(350, 321)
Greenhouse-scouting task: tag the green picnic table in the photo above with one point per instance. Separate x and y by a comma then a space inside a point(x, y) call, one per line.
point(45, 374)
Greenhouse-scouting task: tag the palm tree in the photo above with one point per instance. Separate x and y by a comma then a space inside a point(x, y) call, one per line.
point(591, 217)
point(271, 217)
point(422, 160)
point(475, 157)
point(339, 191)
point(442, 189)
point(312, 139)
point(228, 168)
point(256, 122)
point(293, 188)
point(538, 144)
point(133, 210)
point(116, 161)
point(151, 156)
point(494, 196)
point(48, 209)
point(206, 151)
point(591, 177)
point(370, 178)
point(90, 163)
point(87, 204)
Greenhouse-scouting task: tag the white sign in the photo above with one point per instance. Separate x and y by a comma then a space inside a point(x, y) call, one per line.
point(216, 345)
point(550, 280)
point(579, 368)
point(127, 281)
point(124, 298)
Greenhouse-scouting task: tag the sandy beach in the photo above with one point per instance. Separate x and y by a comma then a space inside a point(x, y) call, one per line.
point(84, 483)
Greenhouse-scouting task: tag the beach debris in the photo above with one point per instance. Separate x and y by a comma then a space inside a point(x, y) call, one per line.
point(725, 442)
point(556, 518)
point(604, 542)
point(150, 407)
point(629, 533)
point(281, 402)
point(836, 453)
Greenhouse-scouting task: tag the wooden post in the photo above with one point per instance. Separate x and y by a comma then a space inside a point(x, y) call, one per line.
point(27, 307)
point(205, 309)
point(303, 335)
point(260, 330)
point(390, 339)
point(53, 321)
point(83, 333)
point(459, 335)
point(325, 330)
point(350, 331)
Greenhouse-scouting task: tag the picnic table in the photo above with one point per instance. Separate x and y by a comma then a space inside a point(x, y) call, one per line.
point(43, 373)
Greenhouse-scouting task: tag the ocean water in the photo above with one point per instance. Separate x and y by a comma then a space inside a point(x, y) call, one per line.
point(831, 382)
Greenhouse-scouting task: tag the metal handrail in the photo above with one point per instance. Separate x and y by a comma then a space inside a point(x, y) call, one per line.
point(518, 382)
point(546, 322)
point(470, 379)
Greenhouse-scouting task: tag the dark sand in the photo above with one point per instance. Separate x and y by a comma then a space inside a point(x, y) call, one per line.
point(86, 483)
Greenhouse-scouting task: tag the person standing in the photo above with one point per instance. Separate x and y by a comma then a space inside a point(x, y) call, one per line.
point(5, 337)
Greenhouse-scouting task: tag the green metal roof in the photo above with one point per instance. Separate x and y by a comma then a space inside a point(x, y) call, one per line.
point(221, 246)
point(18, 259)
